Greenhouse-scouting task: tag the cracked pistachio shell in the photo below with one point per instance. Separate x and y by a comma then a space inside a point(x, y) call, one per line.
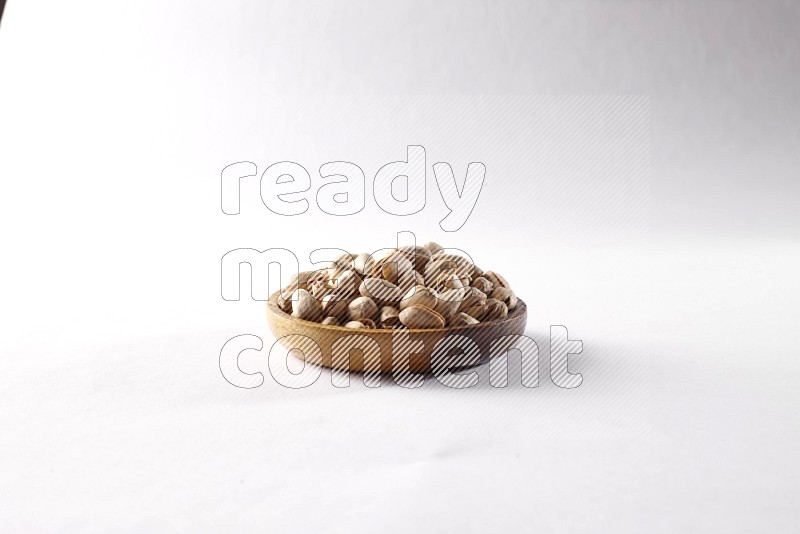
point(345, 285)
point(448, 263)
point(421, 317)
point(387, 312)
point(496, 279)
point(462, 319)
point(506, 296)
point(478, 312)
point(285, 298)
point(380, 290)
point(418, 296)
point(418, 256)
point(447, 302)
point(397, 269)
point(483, 284)
point(495, 309)
point(472, 297)
point(432, 247)
point(334, 307)
point(303, 279)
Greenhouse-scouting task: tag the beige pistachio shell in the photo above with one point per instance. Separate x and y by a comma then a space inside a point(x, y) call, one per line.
point(432, 247)
point(304, 278)
point(495, 309)
point(380, 290)
point(331, 321)
point(505, 295)
point(462, 319)
point(362, 308)
point(418, 296)
point(472, 297)
point(334, 307)
point(447, 302)
point(496, 279)
point(387, 312)
point(421, 317)
point(419, 256)
point(363, 263)
point(305, 306)
point(368, 323)
point(448, 263)
point(477, 312)
point(346, 284)
point(483, 284)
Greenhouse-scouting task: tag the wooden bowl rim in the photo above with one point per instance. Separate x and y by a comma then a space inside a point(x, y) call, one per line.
point(519, 311)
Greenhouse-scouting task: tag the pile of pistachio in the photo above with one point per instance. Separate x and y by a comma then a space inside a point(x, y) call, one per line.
point(410, 287)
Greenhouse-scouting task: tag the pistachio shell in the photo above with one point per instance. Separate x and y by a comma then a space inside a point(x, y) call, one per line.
point(472, 297)
point(333, 307)
point(363, 263)
point(380, 290)
point(346, 284)
point(495, 309)
point(339, 265)
point(303, 279)
point(285, 298)
point(362, 308)
point(448, 280)
point(462, 319)
point(397, 269)
point(448, 263)
point(447, 302)
point(387, 312)
point(368, 323)
point(421, 317)
point(496, 279)
point(433, 247)
point(418, 296)
point(478, 311)
point(333, 321)
point(483, 284)
point(305, 306)
point(505, 295)
point(354, 324)
point(419, 256)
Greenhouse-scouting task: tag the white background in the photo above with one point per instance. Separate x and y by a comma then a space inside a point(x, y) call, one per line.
point(677, 270)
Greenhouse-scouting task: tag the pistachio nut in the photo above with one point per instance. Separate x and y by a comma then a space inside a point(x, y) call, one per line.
point(462, 319)
point(483, 284)
point(495, 309)
point(472, 297)
point(421, 317)
point(496, 279)
point(334, 307)
point(362, 308)
point(418, 296)
point(305, 306)
point(506, 296)
point(380, 290)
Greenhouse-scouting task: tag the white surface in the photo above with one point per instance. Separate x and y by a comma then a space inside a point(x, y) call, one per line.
point(681, 281)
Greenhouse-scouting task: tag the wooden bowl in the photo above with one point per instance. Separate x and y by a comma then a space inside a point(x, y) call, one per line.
point(335, 344)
